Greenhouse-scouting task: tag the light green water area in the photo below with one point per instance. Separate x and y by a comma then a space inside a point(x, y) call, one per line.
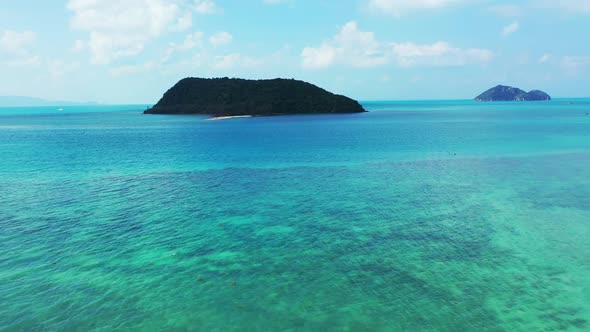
point(416, 216)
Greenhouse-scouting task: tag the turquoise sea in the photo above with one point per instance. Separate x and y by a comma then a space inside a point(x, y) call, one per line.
point(416, 216)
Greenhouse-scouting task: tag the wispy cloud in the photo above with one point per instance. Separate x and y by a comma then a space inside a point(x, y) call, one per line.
point(60, 68)
point(207, 7)
point(510, 28)
point(221, 38)
point(132, 69)
point(27, 61)
point(15, 42)
point(79, 46)
point(574, 65)
point(571, 6)
point(16, 48)
point(398, 8)
point(438, 54)
point(544, 58)
point(191, 41)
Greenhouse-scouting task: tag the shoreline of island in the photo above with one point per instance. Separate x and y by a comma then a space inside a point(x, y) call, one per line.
point(217, 118)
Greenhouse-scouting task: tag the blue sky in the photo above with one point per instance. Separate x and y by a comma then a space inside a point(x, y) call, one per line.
point(131, 51)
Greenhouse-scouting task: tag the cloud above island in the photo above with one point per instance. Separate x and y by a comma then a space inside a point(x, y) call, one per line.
point(350, 46)
point(356, 48)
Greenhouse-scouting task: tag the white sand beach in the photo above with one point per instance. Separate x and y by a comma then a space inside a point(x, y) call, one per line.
point(228, 117)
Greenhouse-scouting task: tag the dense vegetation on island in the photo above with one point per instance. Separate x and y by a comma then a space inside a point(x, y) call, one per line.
point(233, 97)
point(508, 93)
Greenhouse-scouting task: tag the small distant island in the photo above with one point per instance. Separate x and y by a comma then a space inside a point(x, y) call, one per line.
point(508, 93)
point(225, 97)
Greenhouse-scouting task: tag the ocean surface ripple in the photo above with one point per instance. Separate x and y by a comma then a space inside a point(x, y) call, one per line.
point(417, 216)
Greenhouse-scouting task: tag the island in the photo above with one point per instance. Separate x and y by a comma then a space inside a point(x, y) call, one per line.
point(508, 93)
point(232, 97)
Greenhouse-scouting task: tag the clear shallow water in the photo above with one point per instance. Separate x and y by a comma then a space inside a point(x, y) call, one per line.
point(446, 216)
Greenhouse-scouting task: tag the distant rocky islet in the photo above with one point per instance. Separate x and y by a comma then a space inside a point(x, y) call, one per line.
point(508, 93)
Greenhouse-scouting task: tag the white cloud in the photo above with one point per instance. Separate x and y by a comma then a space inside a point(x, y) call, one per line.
point(118, 29)
point(412, 50)
point(225, 64)
point(79, 46)
point(16, 43)
point(568, 6)
point(184, 22)
point(510, 28)
point(400, 7)
point(191, 41)
point(121, 28)
point(59, 68)
point(26, 61)
point(236, 60)
point(574, 64)
point(132, 69)
point(573, 6)
point(207, 7)
point(221, 38)
point(438, 54)
point(318, 57)
point(544, 58)
point(353, 47)
point(16, 49)
point(506, 10)
point(350, 46)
